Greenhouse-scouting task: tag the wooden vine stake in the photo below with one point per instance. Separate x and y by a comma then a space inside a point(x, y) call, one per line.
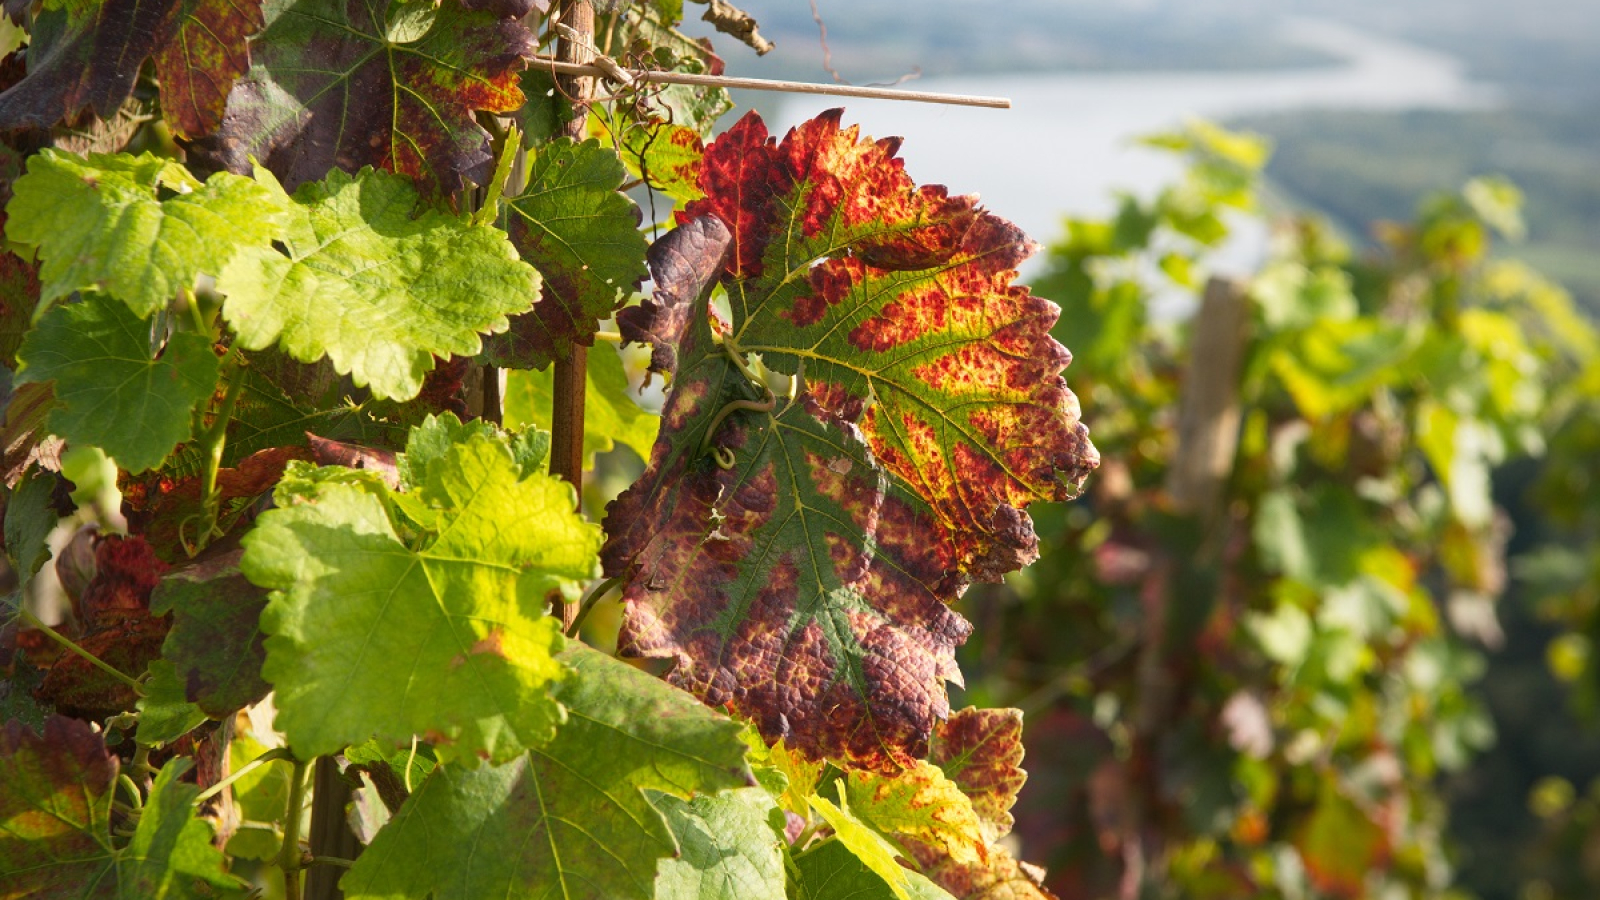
point(566, 420)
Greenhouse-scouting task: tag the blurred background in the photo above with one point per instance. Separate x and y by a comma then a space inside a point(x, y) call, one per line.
point(1322, 624)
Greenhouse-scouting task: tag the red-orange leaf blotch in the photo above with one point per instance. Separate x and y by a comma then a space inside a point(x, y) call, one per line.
point(197, 65)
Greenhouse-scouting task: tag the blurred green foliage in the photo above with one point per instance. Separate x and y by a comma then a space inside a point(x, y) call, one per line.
point(1257, 695)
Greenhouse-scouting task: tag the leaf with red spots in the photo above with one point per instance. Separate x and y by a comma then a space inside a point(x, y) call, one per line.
point(792, 585)
point(1000, 877)
point(981, 751)
point(919, 802)
point(796, 556)
point(86, 55)
point(900, 303)
point(349, 83)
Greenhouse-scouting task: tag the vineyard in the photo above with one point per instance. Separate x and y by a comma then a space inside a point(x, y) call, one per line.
point(322, 322)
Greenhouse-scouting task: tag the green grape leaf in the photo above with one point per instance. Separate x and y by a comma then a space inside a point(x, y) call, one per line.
point(115, 392)
point(727, 847)
point(570, 819)
point(652, 25)
point(441, 634)
point(30, 516)
point(610, 414)
point(99, 224)
point(431, 442)
point(981, 751)
point(900, 303)
point(1335, 365)
point(830, 871)
point(877, 854)
point(260, 796)
point(57, 839)
point(394, 86)
point(793, 585)
point(379, 291)
point(573, 225)
point(165, 714)
point(215, 645)
point(918, 802)
point(87, 55)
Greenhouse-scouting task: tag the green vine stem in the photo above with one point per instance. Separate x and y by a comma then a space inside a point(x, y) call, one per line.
point(589, 602)
point(54, 635)
point(276, 753)
point(290, 859)
point(212, 443)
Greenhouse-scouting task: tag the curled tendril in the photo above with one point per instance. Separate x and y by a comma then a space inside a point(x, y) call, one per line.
point(764, 405)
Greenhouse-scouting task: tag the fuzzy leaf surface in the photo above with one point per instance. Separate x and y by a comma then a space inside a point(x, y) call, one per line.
point(114, 393)
point(727, 848)
point(901, 303)
point(353, 83)
point(99, 225)
point(919, 802)
point(57, 839)
point(796, 584)
point(583, 236)
point(441, 632)
point(215, 646)
point(610, 414)
point(378, 290)
point(568, 820)
point(981, 751)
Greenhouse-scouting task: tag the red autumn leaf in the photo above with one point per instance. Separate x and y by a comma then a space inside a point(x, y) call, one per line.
point(796, 556)
point(56, 803)
point(199, 48)
point(396, 86)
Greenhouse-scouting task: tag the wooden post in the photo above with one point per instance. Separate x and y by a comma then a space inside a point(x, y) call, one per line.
point(566, 420)
point(1208, 412)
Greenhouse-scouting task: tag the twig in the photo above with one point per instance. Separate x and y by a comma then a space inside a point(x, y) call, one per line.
point(289, 859)
point(764, 84)
point(822, 38)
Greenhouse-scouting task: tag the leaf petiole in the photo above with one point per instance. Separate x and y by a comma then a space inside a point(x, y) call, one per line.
point(276, 753)
point(54, 635)
point(289, 856)
point(212, 443)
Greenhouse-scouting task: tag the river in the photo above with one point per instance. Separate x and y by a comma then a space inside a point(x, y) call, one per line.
point(1066, 145)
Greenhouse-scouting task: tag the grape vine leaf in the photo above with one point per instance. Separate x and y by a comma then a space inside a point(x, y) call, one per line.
point(610, 414)
point(57, 838)
point(918, 802)
point(165, 714)
point(56, 804)
point(999, 877)
point(377, 290)
point(441, 632)
point(665, 156)
point(981, 751)
point(792, 585)
point(900, 303)
point(30, 515)
point(727, 846)
point(98, 224)
point(215, 645)
point(570, 819)
point(115, 391)
point(87, 55)
point(867, 845)
point(395, 86)
point(831, 871)
point(582, 234)
point(432, 441)
point(19, 296)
